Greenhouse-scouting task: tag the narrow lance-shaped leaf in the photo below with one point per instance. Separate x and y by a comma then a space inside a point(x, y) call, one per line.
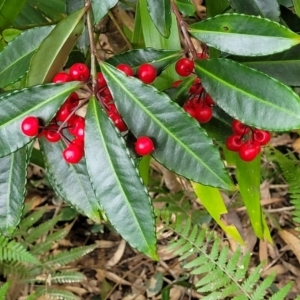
point(160, 59)
point(267, 8)
point(181, 144)
point(116, 181)
point(160, 12)
point(13, 171)
point(9, 9)
point(16, 56)
point(41, 101)
point(101, 8)
point(250, 96)
point(244, 35)
point(54, 50)
point(70, 182)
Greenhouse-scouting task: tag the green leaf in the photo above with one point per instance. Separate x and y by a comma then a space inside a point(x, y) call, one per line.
point(234, 33)
point(160, 59)
point(54, 50)
point(297, 7)
point(4, 290)
point(70, 182)
point(13, 171)
point(250, 96)
point(9, 9)
point(147, 111)
point(41, 101)
point(160, 13)
point(116, 181)
point(101, 7)
point(284, 66)
point(266, 9)
point(214, 8)
point(186, 7)
point(213, 202)
point(10, 33)
point(16, 56)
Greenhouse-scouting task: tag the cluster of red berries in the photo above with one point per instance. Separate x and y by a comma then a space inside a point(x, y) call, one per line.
point(65, 119)
point(247, 141)
point(67, 123)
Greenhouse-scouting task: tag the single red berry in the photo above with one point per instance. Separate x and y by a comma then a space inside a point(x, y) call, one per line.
point(208, 100)
point(80, 71)
point(249, 150)
point(78, 142)
point(144, 146)
point(76, 126)
point(101, 80)
point(120, 124)
point(262, 136)
point(30, 126)
point(190, 110)
point(61, 77)
point(73, 100)
point(146, 73)
point(51, 134)
point(176, 83)
point(73, 153)
point(184, 66)
point(126, 69)
point(202, 55)
point(64, 112)
point(239, 128)
point(234, 142)
point(204, 114)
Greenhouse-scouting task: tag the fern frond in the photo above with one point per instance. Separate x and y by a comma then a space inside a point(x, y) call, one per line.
point(222, 277)
point(46, 245)
point(52, 293)
point(281, 294)
point(3, 290)
point(14, 269)
point(15, 252)
point(66, 257)
point(67, 277)
point(291, 172)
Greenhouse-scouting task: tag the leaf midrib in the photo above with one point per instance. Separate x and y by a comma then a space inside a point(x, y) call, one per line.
point(170, 133)
point(114, 172)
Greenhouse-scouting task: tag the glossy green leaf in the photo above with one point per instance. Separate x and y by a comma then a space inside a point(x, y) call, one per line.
point(54, 50)
point(213, 202)
point(181, 144)
point(101, 8)
point(244, 35)
point(214, 8)
point(116, 181)
point(266, 9)
point(70, 181)
point(160, 13)
point(250, 96)
point(29, 15)
point(297, 7)
point(248, 177)
point(10, 33)
point(144, 168)
point(284, 66)
point(160, 59)
point(16, 56)
point(13, 172)
point(186, 7)
point(9, 9)
point(41, 101)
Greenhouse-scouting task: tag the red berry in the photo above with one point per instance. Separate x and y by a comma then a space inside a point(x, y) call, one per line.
point(234, 142)
point(61, 77)
point(30, 126)
point(202, 55)
point(73, 153)
point(144, 146)
point(80, 71)
point(101, 80)
point(191, 111)
point(64, 112)
point(262, 136)
point(239, 128)
point(116, 118)
point(76, 126)
point(208, 100)
point(73, 100)
point(204, 114)
point(126, 69)
point(146, 73)
point(51, 134)
point(176, 83)
point(184, 66)
point(249, 150)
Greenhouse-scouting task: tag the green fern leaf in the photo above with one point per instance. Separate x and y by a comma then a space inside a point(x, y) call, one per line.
point(281, 294)
point(66, 257)
point(67, 277)
point(3, 290)
point(52, 293)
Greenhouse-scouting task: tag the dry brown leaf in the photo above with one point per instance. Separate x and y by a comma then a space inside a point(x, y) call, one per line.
point(165, 254)
point(106, 244)
point(115, 278)
point(77, 290)
point(291, 240)
point(277, 269)
point(117, 255)
point(263, 252)
point(292, 268)
point(296, 145)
